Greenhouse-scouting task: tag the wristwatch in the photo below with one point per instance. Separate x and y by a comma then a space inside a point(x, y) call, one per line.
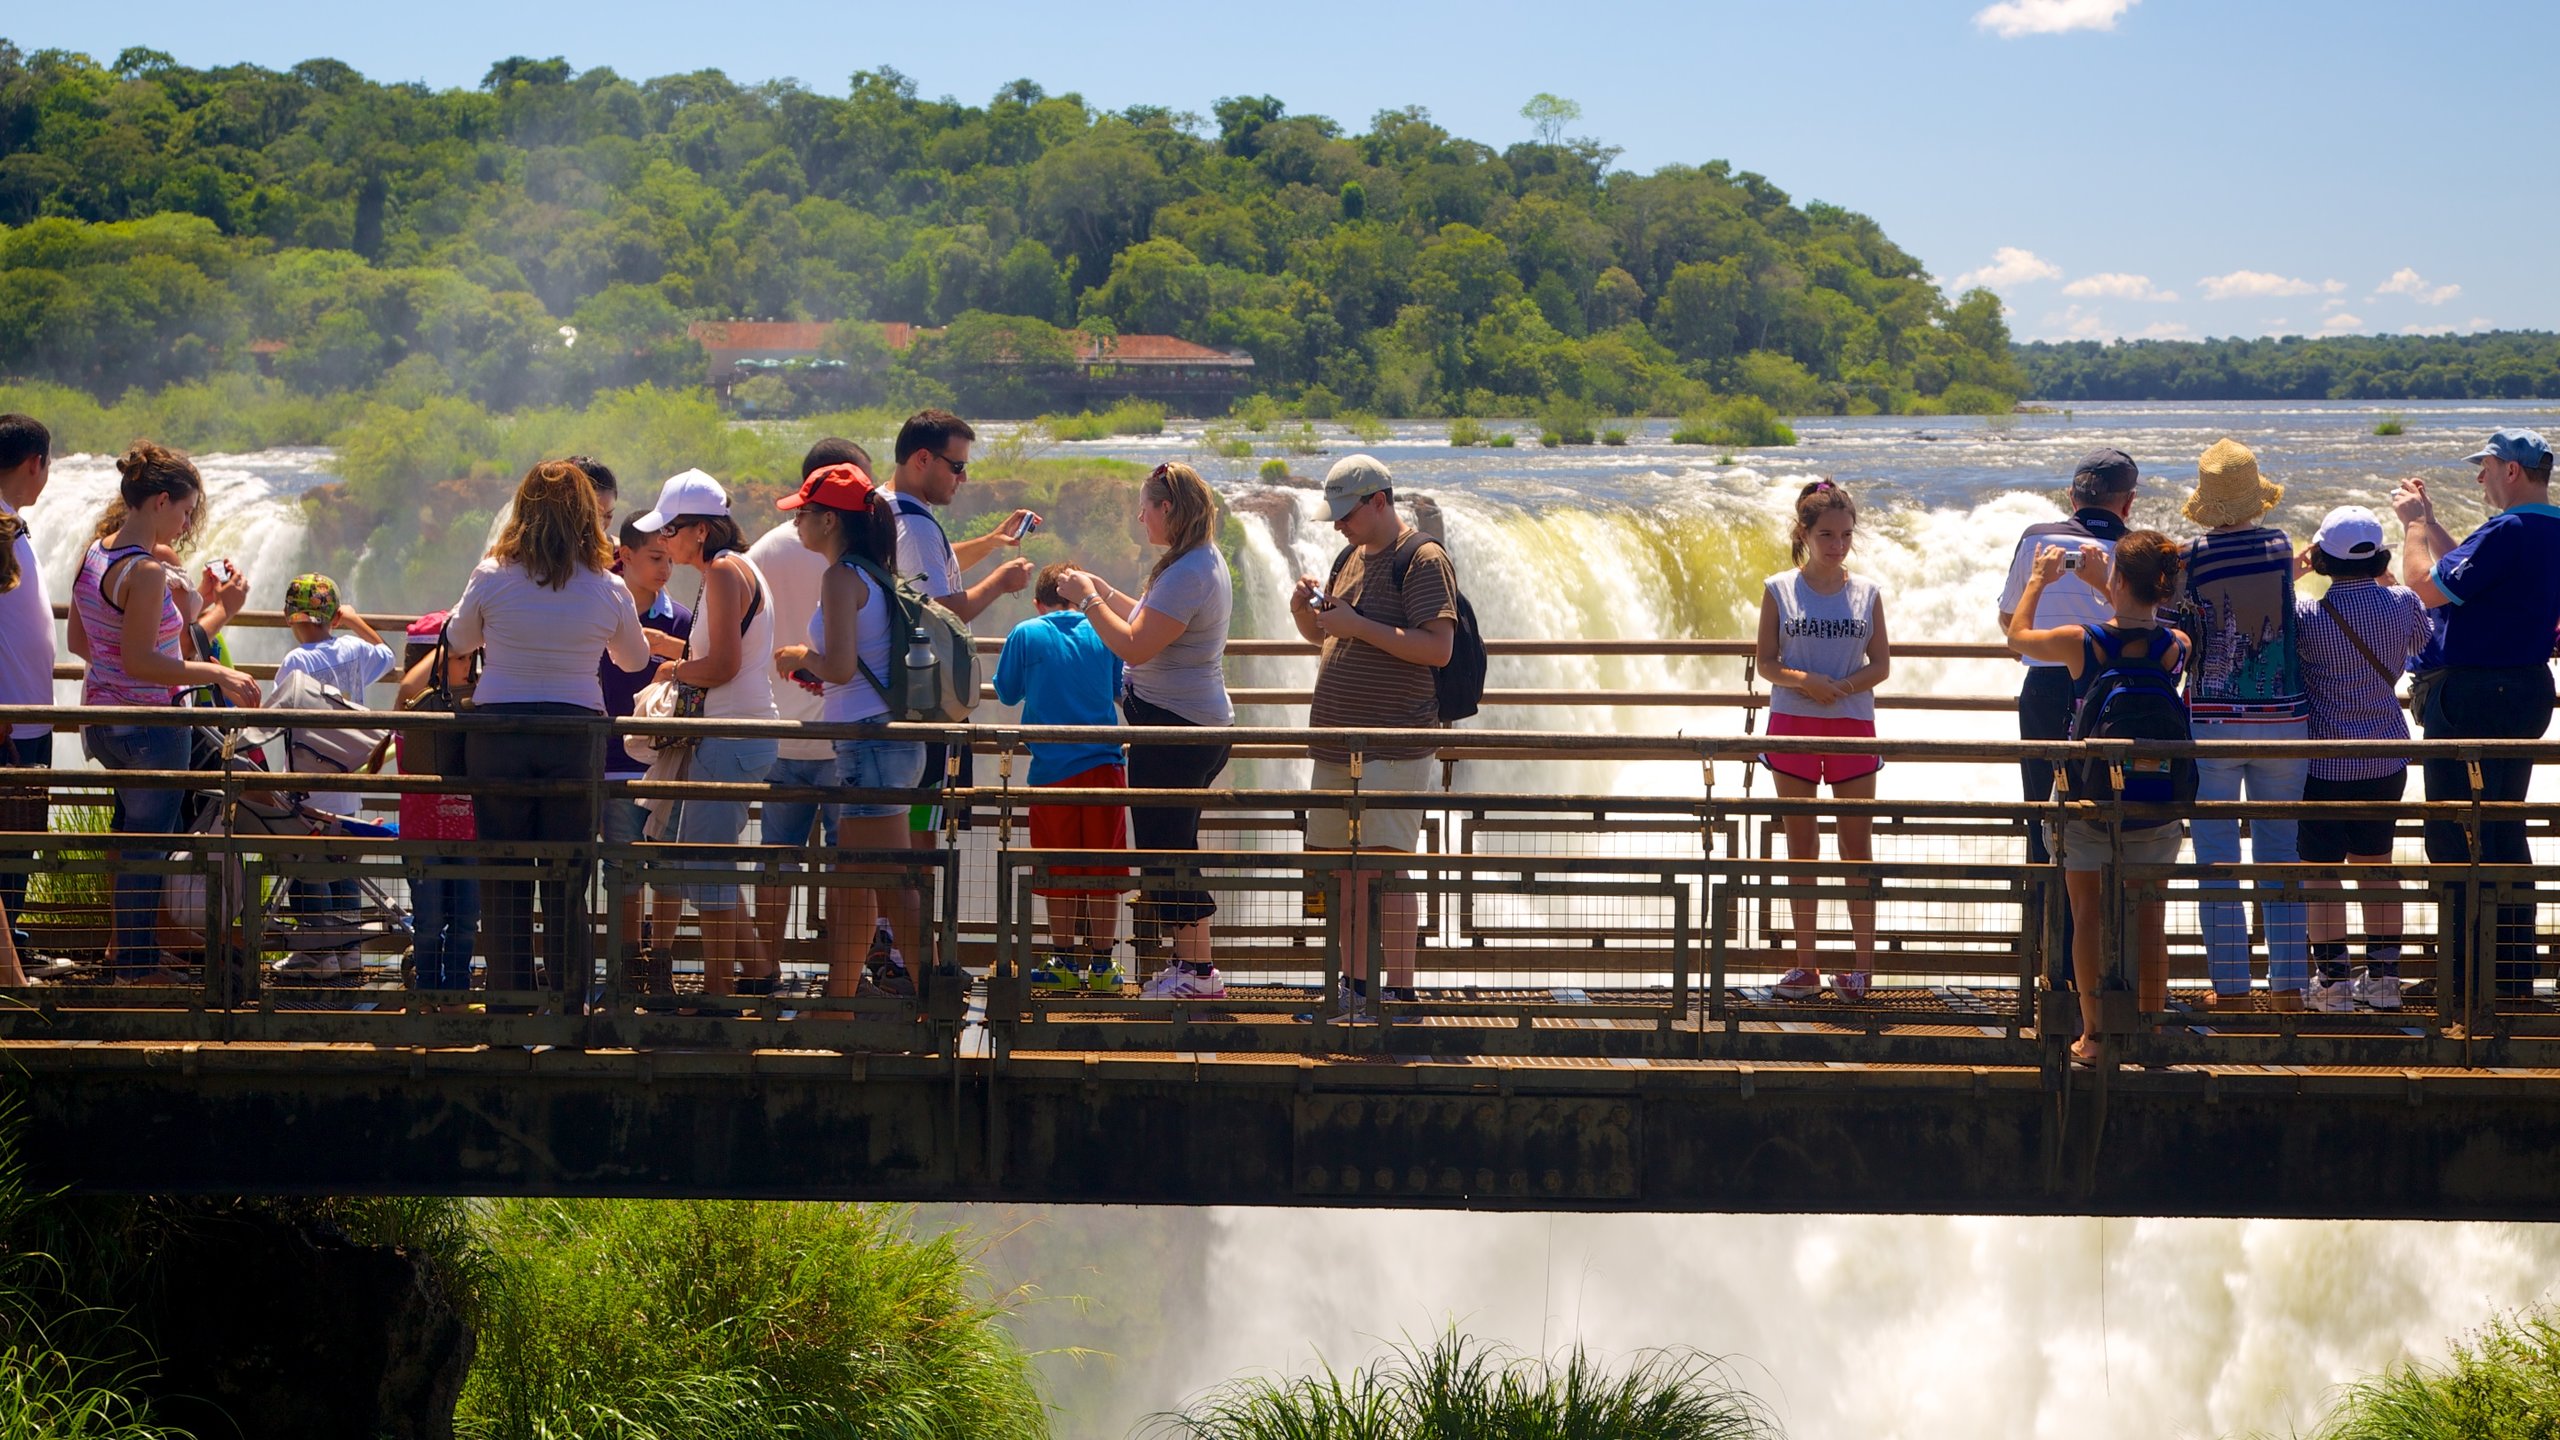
point(1089, 602)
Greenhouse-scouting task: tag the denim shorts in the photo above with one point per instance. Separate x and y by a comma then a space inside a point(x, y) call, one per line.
point(142, 747)
point(719, 822)
point(792, 822)
point(623, 820)
point(877, 765)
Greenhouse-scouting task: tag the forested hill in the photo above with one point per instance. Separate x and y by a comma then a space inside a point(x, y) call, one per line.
point(162, 219)
point(2504, 365)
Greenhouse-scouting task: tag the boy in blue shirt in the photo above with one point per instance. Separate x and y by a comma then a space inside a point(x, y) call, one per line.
point(1059, 672)
point(2501, 590)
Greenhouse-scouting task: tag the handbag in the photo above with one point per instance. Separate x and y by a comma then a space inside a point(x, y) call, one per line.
point(664, 700)
point(445, 750)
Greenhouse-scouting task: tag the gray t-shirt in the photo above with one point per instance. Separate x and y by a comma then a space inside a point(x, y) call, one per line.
point(1186, 676)
point(1823, 635)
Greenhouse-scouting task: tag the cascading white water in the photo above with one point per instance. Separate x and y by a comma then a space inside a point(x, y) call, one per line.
point(1877, 1328)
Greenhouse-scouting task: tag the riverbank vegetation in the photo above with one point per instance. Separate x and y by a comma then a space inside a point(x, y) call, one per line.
point(549, 234)
point(1459, 1386)
point(2502, 1384)
point(2502, 365)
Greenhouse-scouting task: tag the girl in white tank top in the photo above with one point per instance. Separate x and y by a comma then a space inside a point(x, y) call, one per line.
point(1823, 651)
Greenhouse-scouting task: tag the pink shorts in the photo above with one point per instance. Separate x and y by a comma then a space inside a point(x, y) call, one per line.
point(1822, 769)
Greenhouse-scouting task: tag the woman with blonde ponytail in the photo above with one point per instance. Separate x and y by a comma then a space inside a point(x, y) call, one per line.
point(1174, 638)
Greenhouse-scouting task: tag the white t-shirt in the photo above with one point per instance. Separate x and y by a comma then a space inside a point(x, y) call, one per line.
point(350, 664)
point(2068, 600)
point(1825, 635)
point(792, 575)
point(924, 551)
point(542, 644)
point(26, 637)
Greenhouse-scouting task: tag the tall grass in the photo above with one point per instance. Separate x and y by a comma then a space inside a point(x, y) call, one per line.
point(1565, 420)
point(702, 1320)
point(2389, 425)
point(1462, 1389)
point(2503, 1386)
point(1466, 430)
point(1128, 417)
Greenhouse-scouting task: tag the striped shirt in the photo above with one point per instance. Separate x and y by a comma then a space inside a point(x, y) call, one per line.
point(2350, 699)
point(1358, 685)
point(2236, 593)
point(106, 682)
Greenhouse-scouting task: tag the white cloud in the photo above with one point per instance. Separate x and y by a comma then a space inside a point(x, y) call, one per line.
point(2010, 19)
point(2342, 321)
point(2115, 286)
point(2260, 284)
point(2074, 322)
point(2405, 281)
point(2009, 266)
point(2333, 303)
point(2164, 330)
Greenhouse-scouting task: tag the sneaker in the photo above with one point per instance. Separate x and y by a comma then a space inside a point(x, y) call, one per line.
point(2376, 992)
point(885, 964)
point(1102, 975)
point(46, 969)
point(1401, 995)
point(1178, 982)
point(1055, 972)
point(1350, 1007)
point(1851, 986)
point(1799, 984)
point(308, 964)
point(2330, 996)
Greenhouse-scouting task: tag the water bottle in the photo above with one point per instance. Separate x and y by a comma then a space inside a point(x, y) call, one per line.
point(923, 692)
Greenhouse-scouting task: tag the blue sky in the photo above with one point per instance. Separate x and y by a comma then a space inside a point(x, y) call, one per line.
point(2111, 167)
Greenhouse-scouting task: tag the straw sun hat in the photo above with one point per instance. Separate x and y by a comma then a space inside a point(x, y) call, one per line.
point(2229, 490)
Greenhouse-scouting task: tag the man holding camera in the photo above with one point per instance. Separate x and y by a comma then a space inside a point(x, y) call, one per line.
point(2102, 497)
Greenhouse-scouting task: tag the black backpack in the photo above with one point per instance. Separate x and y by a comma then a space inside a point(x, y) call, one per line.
point(2133, 696)
point(1459, 685)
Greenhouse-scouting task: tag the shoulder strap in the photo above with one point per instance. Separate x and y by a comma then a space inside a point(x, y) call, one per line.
point(2340, 620)
point(116, 559)
point(1339, 561)
point(1408, 548)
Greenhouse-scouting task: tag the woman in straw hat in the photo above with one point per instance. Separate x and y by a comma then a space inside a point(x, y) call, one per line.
point(2244, 683)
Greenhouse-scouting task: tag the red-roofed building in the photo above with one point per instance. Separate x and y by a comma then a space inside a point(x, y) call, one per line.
point(1190, 377)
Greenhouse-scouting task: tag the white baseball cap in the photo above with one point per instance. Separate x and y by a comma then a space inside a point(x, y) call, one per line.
point(2350, 532)
point(691, 493)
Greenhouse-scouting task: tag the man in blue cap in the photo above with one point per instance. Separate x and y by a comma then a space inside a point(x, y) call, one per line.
point(2501, 590)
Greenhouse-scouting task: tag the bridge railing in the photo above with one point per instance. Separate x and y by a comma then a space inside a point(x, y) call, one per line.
point(1637, 926)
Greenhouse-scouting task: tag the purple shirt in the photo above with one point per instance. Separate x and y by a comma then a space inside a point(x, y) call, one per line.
point(622, 687)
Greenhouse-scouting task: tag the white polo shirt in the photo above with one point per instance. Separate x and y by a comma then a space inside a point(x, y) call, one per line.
point(26, 637)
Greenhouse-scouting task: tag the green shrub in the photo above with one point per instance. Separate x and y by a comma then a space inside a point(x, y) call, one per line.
point(1366, 428)
point(1467, 1388)
point(1503, 440)
point(1221, 441)
point(1257, 413)
point(1613, 436)
point(1465, 430)
point(1744, 420)
point(2388, 425)
point(2503, 1386)
point(1567, 420)
point(1085, 425)
point(1274, 471)
point(1318, 403)
point(710, 1320)
point(1300, 439)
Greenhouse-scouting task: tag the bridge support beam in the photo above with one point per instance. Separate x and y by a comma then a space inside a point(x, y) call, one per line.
point(1254, 1132)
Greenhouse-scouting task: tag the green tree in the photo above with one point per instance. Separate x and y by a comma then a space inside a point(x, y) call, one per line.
point(1548, 115)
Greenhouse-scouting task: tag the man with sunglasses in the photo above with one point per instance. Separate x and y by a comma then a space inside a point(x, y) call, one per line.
point(932, 457)
point(2501, 590)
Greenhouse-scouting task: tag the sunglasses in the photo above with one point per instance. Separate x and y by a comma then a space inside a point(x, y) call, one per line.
point(958, 467)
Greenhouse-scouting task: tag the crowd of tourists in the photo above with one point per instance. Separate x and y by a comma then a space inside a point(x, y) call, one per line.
point(830, 615)
point(833, 614)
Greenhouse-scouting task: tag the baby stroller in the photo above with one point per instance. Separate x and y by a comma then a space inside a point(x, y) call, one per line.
point(319, 943)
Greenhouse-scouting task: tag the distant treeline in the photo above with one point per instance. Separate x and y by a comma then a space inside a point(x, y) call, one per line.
point(2502, 365)
point(157, 221)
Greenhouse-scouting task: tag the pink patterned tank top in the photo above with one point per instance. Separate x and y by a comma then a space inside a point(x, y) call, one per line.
point(107, 683)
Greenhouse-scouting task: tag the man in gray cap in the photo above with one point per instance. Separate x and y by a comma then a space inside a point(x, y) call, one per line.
point(2101, 497)
point(1385, 620)
point(2501, 592)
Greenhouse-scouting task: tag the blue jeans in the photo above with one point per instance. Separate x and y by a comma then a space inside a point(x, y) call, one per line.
point(878, 765)
point(718, 822)
point(2272, 842)
point(446, 916)
point(140, 812)
point(791, 822)
point(2485, 704)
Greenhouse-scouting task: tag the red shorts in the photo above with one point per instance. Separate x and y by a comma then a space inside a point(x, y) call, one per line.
point(1083, 827)
point(1822, 769)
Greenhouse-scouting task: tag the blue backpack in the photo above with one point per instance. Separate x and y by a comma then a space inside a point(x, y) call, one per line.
point(2133, 695)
